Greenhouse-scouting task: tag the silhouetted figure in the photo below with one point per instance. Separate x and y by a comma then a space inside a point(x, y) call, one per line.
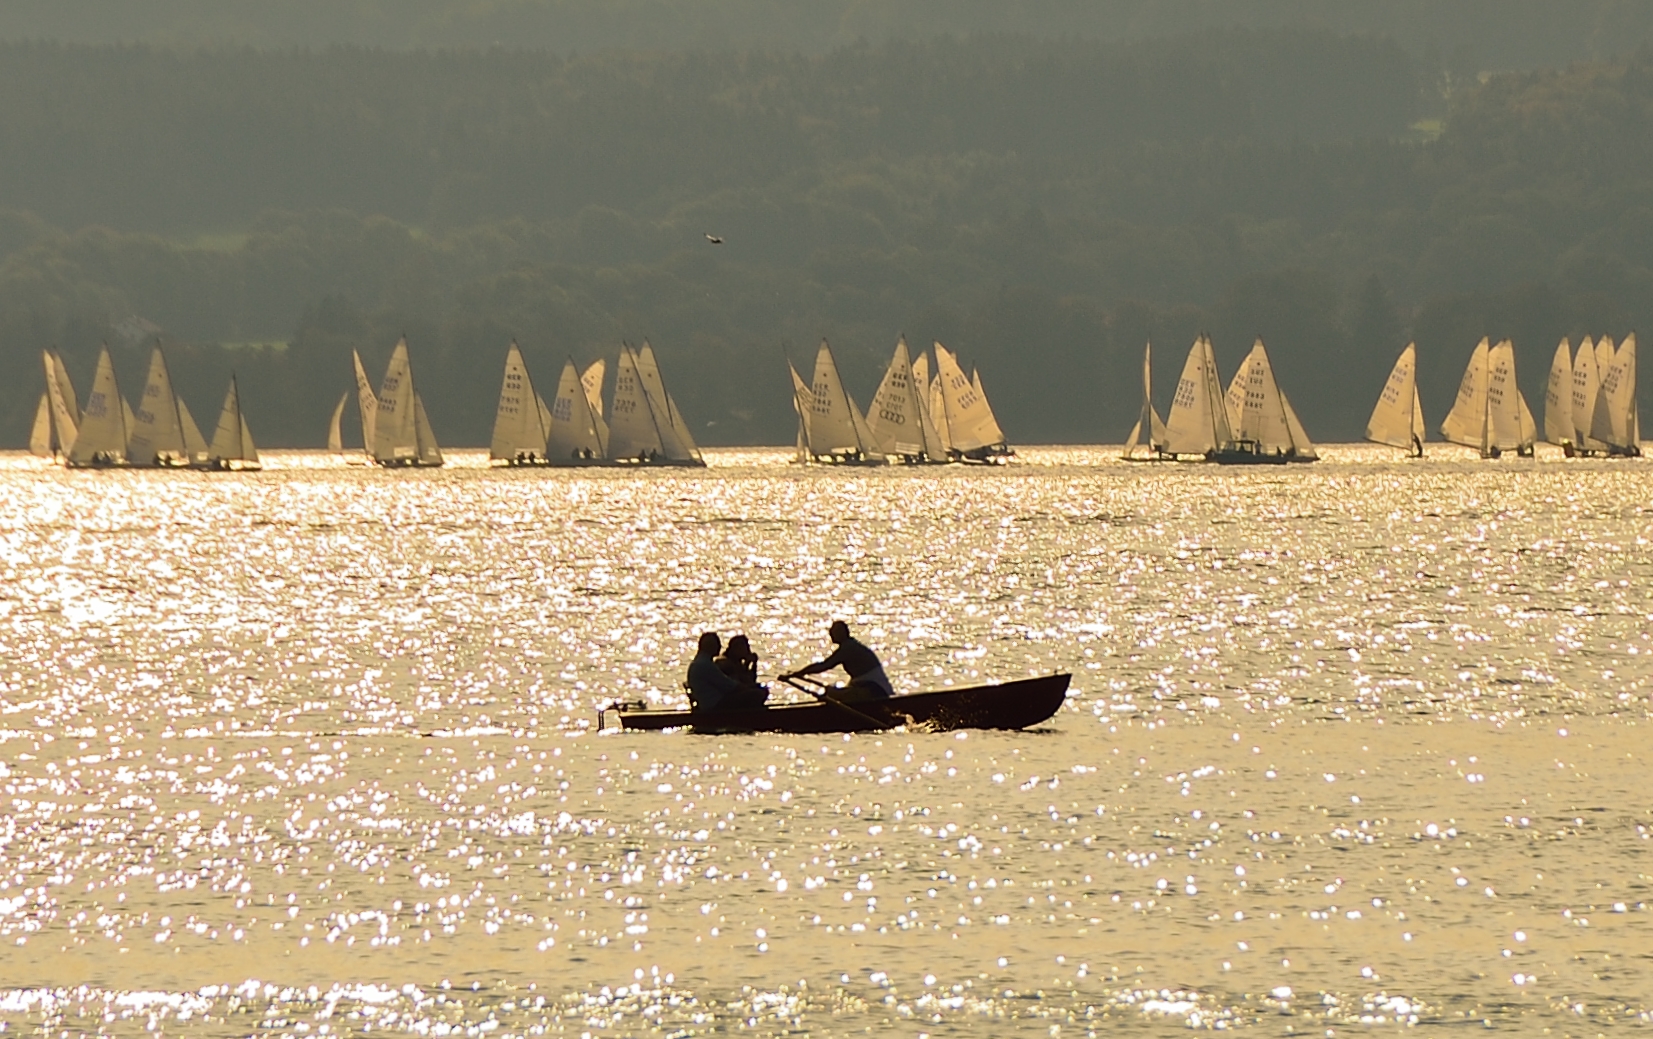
point(867, 680)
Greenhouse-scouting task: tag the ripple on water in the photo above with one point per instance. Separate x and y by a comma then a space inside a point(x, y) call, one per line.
point(1361, 743)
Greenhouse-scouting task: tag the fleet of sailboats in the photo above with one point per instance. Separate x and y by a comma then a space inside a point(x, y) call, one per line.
point(918, 416)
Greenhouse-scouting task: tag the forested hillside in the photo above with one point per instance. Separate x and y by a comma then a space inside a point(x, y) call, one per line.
point(1467, 35)
point(1044, 206)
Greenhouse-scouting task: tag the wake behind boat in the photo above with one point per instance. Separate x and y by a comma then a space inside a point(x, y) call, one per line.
point(1009, 705)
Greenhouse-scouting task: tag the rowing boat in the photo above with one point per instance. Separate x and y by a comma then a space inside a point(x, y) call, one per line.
point(1010, 705)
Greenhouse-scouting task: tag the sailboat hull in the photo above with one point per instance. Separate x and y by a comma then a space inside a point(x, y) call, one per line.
point(406, 463)
point(656, 463)
point(1246, 452)
point(996, 454)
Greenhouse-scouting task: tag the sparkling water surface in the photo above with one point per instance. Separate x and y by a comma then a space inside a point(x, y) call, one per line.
point(1352, 746)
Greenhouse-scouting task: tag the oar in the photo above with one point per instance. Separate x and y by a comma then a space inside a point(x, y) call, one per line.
point(820, 694)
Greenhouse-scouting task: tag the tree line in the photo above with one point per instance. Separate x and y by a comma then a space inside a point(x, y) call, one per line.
point(1043, 206)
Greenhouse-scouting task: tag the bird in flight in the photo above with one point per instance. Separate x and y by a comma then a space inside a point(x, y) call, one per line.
point(714, 239)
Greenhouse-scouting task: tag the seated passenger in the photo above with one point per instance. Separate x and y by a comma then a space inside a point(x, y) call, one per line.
point(712, 690)
point(739, 662)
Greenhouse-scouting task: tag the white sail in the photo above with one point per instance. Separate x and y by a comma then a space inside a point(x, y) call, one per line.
point(938, 413)
point(519, 432)
point(1234, 398)
point(1586, 384)
point(577, 434)
point(679, 442)
point(367, 403)
point(1198, 420)
point(335, 439)
point(831, 427)
point(935, 444)
point(401, 430)
point(1604, 357)
point(424, 438)
point(836, 426)
point(1510, 423)
point(592, 380)
point(1148, 418)
point(1558, 396)
point(1466, 423)
point(61, 400)
point(802, 403)
point(158, 438)
point(40, 433)
point(634, 429)
point(1613, 422)
point(898, 414)
point(970, 422)
point(232, 442)
point(1397, 420)
point(990, 426)
point(195, 445)
point(1266, 417)
point(101, 439)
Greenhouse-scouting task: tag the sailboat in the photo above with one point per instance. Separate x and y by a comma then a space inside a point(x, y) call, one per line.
point(164, 435)
point(684, 451)
point(57, 418)
point(100, 442)
point(578, 434)
point(1397, 418)
point(1265, 427)
point(835, 431)
point(645, 427)
point(900, 416)
point(1489, 413)
point(1197, 425)
point(1614, 422)
point(232, 447)
point(1558, 397)
point(335, 437)
point(401, 431)
point(1148, 419)
point(973, 431)
point(520, 429)
point(802, 401)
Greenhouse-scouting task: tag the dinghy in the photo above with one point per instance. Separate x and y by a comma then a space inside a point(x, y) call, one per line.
point(645, 427)
point(902, 429)
point(1489, 413)
point(1614, 422)
point(1397, 418)
point(232, 447)
point(578, 434)
point(100, 442)
point(1265, 427)
point(973, 433)
point(164, 435)
point(835, 431)
point(1011, 705)
point(1197, 427)
point(62, 409)
point(520, 432)
point(1147, 420)
point(402, 436)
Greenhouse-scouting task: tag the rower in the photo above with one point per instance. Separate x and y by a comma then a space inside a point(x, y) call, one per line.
point(867, 680)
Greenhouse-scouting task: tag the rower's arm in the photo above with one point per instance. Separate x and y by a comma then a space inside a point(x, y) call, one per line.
point(822, 665)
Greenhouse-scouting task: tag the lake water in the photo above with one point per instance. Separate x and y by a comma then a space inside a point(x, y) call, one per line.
point(1350, 746)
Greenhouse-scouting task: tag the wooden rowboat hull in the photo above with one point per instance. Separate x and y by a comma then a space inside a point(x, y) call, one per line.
point(1011, 705)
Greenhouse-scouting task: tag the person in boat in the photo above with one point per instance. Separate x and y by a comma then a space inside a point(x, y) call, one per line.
point(739, 662)
point(867, 680)
point(710, 689)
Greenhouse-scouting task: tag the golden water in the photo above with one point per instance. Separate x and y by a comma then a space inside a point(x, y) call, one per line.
point(312, 751)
